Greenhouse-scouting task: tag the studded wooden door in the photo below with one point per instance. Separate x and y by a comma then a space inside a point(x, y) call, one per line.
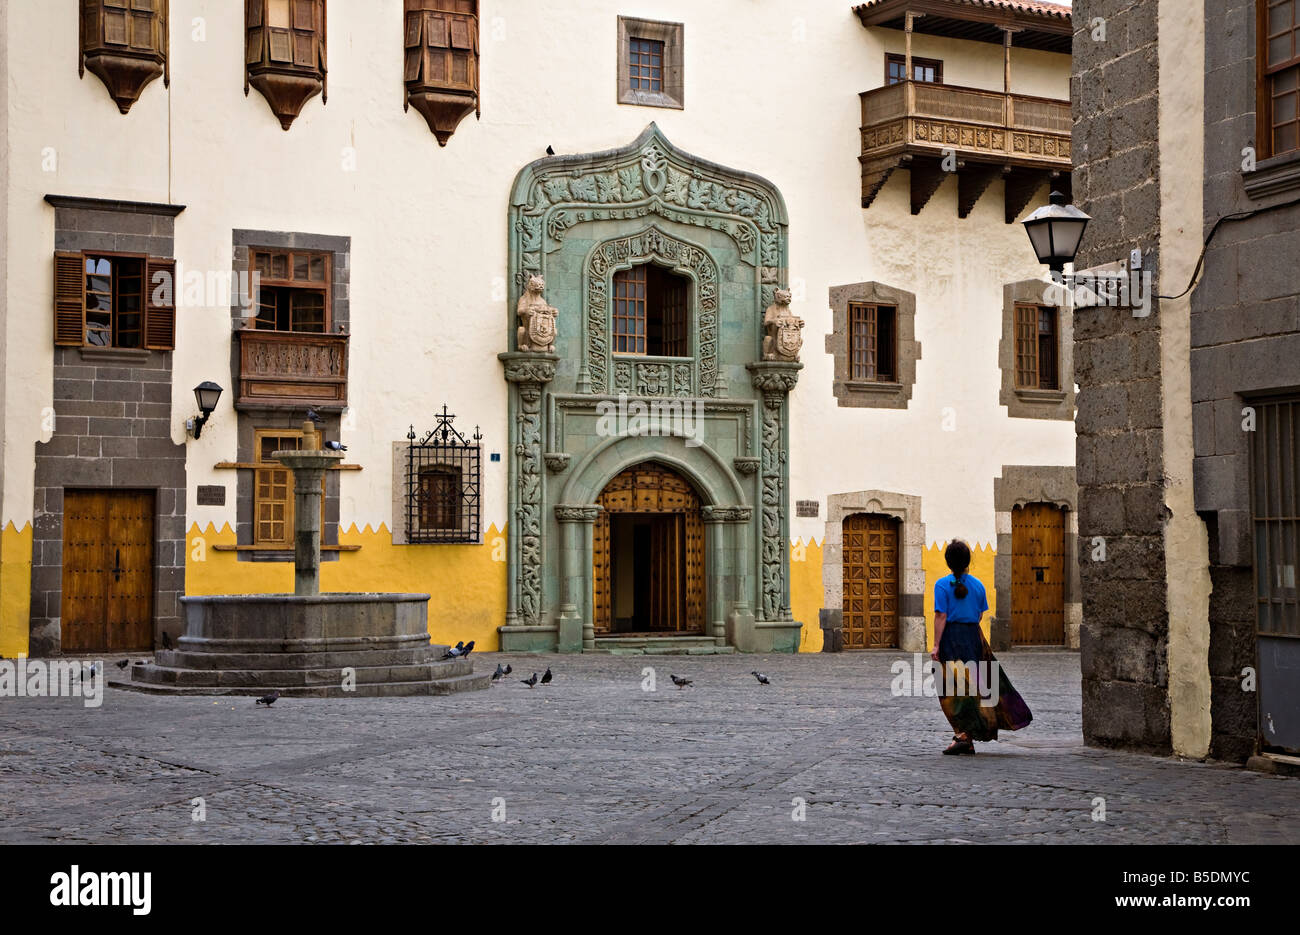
point(676, 593)
point(107, 586)
point(1038, 575)
point(870, 602)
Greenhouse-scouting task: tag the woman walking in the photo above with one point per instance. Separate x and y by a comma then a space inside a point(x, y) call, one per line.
point(969, 671)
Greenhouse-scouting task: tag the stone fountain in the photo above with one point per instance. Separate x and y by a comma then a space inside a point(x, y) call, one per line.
point(303, 644)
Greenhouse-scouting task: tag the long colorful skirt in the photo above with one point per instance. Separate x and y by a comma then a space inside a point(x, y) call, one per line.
point(971, 678)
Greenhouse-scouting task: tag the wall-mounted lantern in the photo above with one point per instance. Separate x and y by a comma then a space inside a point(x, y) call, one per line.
point(206, 394)
point(1055, 231)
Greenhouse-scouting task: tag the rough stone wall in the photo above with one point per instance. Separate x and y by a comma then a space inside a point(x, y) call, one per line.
point(1119, 461)
point(1245, 318)
point(112, 429)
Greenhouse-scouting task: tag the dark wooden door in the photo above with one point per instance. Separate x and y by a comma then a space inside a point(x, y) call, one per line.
point(1038, 575)
point(870, 603)
point(107, 570)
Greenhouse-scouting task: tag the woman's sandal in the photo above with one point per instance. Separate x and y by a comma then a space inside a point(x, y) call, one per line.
point(959, 747)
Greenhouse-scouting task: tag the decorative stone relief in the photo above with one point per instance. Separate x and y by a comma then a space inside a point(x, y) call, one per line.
point(529, 374)
point(783, 330)
point(775, 380)
point(537, 327)
point(648, 377)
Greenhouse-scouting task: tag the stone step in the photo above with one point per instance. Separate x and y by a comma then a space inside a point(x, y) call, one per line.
point(267, 679)
point(660, 646)
point(442, 686)
point(182, 659)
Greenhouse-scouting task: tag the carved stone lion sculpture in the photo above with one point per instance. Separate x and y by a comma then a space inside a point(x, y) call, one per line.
point(536, 319)
point(783, 331)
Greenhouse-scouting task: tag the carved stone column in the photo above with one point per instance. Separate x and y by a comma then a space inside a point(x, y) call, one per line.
point(528, 375)
point(577, 626)
point(775, 380)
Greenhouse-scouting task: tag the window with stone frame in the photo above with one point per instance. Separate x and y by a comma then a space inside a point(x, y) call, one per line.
point(107, 299)
point(649, 312)
point(650, 58)
point(1278, 68)
point(873, 342)
point(273, 488)
point(1037, 347)
point(294, 290)
point(927, 70)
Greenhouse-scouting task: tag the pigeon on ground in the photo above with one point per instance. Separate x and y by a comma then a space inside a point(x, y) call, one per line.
point(546, 679)
point(91, 671)
point(762, 679)
point(335, 446)
point(509, 669)
point(501, 670)
point(268, 700)
point(530, 682)
point(469, 648)
point(166, 640)
point(455, 651)
point(124, 663)
point(139, 662)
point(314, 416)
point(679, 682)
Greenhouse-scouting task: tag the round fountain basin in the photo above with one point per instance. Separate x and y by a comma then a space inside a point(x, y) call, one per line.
point(333, 622)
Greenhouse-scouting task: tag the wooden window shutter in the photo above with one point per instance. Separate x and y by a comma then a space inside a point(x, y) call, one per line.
point(160, 305)
point(69, 299)
point(1026, 331)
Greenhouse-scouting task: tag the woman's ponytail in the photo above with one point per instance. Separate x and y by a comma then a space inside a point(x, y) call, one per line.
point(957, 555)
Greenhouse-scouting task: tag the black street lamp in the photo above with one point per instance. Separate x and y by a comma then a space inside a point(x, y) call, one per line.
point(206, 394)
point(1055, 231)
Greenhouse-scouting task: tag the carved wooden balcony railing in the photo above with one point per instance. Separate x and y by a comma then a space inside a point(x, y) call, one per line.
point(292, 370)
point(914, 125)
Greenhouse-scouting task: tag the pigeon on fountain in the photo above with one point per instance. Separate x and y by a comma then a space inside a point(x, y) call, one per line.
point(335, 446)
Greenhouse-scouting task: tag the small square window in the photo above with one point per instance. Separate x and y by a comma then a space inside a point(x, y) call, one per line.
point(650, 63)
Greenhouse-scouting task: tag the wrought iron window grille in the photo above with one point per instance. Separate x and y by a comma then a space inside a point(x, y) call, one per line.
point(444, 484)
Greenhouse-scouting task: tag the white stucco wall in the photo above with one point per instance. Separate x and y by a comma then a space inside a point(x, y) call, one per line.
point(771, 88)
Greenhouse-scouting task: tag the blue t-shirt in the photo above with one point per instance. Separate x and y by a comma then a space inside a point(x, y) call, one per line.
point(966, 609)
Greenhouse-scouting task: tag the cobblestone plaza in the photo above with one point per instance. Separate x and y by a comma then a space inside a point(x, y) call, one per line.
point(594, 758)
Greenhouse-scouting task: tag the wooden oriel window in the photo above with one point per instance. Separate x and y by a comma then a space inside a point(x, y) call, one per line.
point(284, 53)
point(273, 488)
point(873, 343)
point(650, 312)
point(441, 62)
point(1278, 77)
point(645, 58)
point(104, 299)
point(293, 292)
point(929, 70)
point(124, 44)
point(1037, 347)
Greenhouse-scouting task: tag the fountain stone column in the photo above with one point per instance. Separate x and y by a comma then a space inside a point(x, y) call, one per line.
point(308, 464)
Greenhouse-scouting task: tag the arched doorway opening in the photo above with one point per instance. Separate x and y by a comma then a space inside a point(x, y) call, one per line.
point(648, 554)
point(871, 577)
point(1038, 575)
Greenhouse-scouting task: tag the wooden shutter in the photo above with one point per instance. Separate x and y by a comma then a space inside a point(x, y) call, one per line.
point(69, 299)
point(1026, 332)
point(160, 304)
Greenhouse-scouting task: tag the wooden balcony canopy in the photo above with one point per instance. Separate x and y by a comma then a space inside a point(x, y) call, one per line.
point(935, 129)
point(1038, 24)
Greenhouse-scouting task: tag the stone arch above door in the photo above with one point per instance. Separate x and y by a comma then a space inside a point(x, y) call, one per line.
point(715, 482)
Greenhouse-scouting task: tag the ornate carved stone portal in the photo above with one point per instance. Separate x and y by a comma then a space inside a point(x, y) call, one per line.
point(584, 409)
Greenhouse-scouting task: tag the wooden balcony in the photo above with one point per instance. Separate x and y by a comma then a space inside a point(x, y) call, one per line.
point(281, 369)
point(913, 125)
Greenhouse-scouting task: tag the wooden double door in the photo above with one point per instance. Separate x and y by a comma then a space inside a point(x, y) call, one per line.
point(1038, 575)
point(108, 554)
point(648, 554)
point(871, 577)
